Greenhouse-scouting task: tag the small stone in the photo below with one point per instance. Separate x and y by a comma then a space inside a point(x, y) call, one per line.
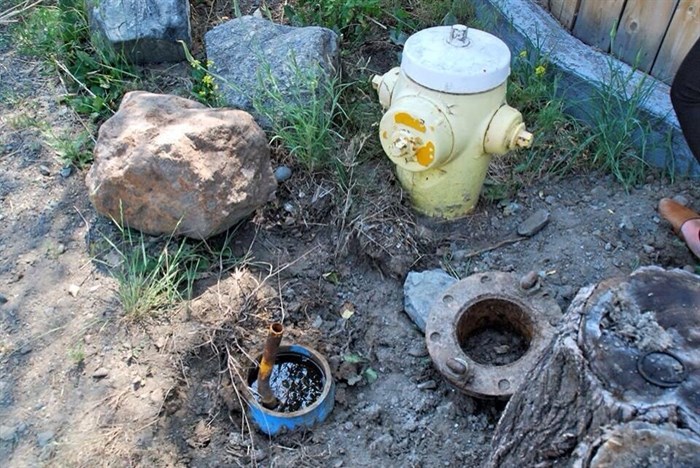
point(627, 224)
point(648, 249)
point(60, 249)
point(100, 373)
point(282, 173)
point(681, 200)
point(73, 290)
point(44, 438)
point(3, 299)
point(534, 223)
point(420, 290)
point(66, 171)
point(7, 433)
point(608, 246)
point(529, 280)
point(689, 268)
point(427, 385)
point(503, 349)
point(44, 170)
point(348, 426)
point(512, 208)
point(418, 351)
point(550, 199)
point(288, 207)
point(26, 349)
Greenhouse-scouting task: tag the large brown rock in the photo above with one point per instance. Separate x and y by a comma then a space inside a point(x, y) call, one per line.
point(165, 164)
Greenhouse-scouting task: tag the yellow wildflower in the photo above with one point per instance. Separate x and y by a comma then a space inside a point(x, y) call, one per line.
point(540, 70)
point(208, 80)
point(523, 53)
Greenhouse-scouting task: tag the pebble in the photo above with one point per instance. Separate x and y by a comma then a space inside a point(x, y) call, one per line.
point(44, 170)
point(348, 426)
point(282, 173)
point(100, 373)
point(608, 246)
point(60, 249)
point(681, 200)
point(3, 299)
point(26, 349)
point(73, 290)
point(534, 223)
point(44, 438)
point(689, 268)
point(529, 280)
point(627, 224)
point(427, 385)
point(648, 249)
point(418, 351)
point(66, 171)
point(512, 208)
point(7, 433)
point(550, 199)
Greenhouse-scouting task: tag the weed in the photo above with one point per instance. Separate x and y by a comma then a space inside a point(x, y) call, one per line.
point(97, 76)
point(350, 17)
point(77, 353)
point(304, 116)
point(204, 89)
point(71, 150)
point(149, 282)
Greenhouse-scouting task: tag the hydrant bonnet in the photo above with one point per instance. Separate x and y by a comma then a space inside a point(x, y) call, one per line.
point(455, 59)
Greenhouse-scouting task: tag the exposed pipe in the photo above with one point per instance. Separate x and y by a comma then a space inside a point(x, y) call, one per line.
point(272, 344)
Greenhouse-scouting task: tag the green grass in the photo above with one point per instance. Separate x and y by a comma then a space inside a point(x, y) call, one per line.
point(148, 281)
point(97, 76)
point(71, 150)
point(305, 116)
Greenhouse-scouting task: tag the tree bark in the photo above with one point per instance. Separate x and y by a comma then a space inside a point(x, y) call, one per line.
point(620, 383)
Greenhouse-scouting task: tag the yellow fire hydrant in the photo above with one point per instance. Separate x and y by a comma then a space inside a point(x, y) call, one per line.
point(446, 116)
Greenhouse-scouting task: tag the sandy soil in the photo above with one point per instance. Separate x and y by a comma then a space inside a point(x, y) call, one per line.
point(159, 393)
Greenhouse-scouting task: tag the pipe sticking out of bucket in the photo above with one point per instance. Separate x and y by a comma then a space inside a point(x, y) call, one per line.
point(272, 344)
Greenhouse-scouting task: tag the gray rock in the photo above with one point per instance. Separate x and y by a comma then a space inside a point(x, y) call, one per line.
point(44, 170)
point(44, 438)
point(529, 280)
point(681, 200)
point(244, 48)
point(146, 31)
point(534, 223)
point(169, 165)
point(419, 292)
point(7, 433)
point(3, 299)
point(282, 173)
point(100, 373)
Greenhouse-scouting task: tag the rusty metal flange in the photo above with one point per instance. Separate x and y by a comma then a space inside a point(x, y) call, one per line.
point(490, 299)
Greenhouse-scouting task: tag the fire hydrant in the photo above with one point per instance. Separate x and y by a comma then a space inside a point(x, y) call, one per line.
point(446, 115)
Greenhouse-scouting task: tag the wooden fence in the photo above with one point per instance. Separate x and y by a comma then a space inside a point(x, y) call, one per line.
point(653, 35)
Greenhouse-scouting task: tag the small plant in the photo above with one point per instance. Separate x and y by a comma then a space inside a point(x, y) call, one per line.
point(70, 150)
point(77, 353)
point(204, 89)
point(304, 117)
point(149, 282)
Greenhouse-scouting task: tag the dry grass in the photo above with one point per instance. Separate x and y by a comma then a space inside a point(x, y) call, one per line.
point(11, 14)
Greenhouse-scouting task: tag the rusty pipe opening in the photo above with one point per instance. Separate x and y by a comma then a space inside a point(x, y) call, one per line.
point(272, 344)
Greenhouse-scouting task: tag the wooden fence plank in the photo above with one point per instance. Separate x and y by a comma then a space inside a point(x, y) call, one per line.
point(565, 11)
point(641, 30)
point(596, 18)
point(680, 37)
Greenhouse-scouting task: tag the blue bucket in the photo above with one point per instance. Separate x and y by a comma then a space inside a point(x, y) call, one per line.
point(272, 422)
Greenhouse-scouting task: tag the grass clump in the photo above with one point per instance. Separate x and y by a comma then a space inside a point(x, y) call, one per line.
point(70, 150)
point(349, 17)
point(305, 117)
point(95, 74)
point(149, 282)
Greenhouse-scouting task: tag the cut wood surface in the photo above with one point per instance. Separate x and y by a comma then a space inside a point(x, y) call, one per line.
point(641, 31)
point(680, 37)
point(596, 20)
point(620, 384)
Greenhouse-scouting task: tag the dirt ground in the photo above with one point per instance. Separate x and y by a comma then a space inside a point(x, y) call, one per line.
point(80, 385)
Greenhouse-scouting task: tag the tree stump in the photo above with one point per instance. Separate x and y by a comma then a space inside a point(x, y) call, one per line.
point(618, 386)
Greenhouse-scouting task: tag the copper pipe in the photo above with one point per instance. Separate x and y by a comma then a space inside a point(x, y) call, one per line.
point(272, 344)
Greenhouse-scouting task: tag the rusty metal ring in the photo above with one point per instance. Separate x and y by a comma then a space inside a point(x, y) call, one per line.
point(459, 308)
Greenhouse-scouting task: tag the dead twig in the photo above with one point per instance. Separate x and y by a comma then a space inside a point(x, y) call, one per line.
point(498, 245)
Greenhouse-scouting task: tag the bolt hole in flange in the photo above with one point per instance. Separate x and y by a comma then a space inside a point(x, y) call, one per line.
point(494, 331)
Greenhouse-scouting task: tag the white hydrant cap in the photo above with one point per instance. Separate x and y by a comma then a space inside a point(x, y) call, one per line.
point(455, 59)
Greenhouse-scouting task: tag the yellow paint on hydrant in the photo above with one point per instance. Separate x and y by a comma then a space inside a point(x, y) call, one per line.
point(446, 116)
